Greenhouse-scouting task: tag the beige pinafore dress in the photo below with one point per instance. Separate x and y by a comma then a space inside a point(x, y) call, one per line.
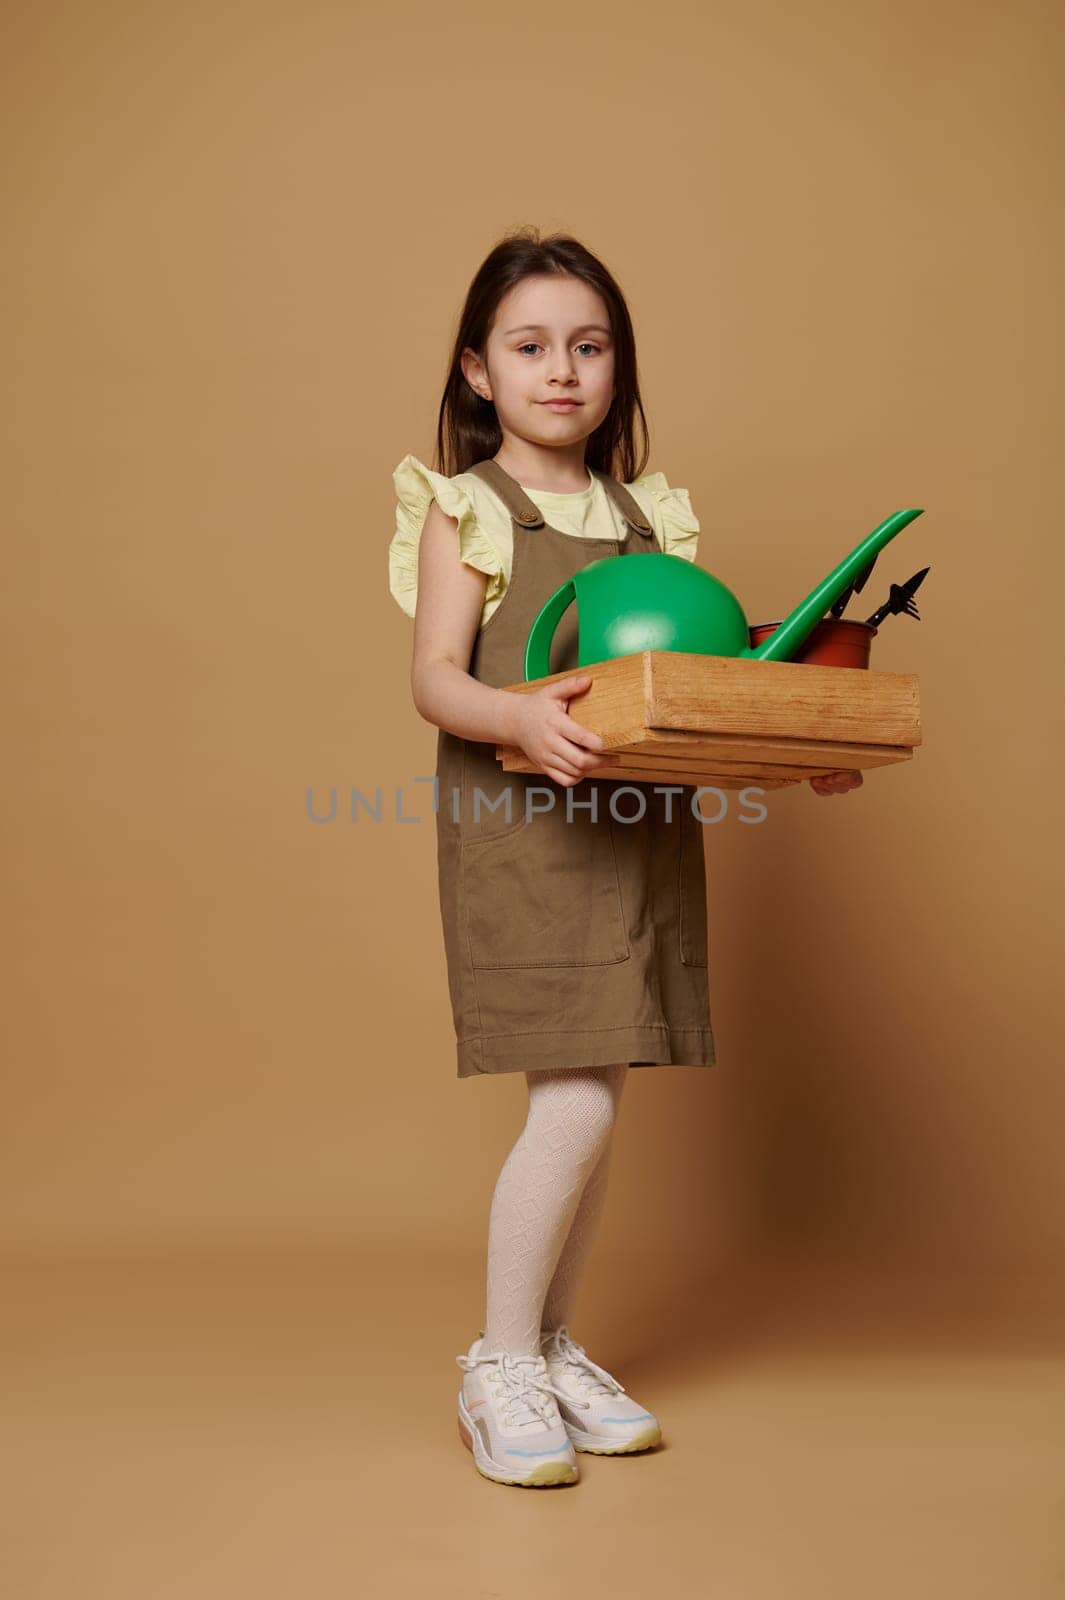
point(574, 937)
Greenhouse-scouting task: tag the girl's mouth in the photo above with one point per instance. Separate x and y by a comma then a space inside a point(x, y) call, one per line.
point(561, 405)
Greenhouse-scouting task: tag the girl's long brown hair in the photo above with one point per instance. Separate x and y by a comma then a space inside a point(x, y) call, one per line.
point(468, 429)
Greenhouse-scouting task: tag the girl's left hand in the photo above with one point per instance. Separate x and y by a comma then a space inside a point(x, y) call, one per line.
point(836, 782)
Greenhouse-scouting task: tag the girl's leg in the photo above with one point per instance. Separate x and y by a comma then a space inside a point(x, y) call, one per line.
point(558, 1303)
point(568, 1128)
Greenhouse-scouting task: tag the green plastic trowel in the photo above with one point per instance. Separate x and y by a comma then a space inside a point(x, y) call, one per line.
point(662, 602)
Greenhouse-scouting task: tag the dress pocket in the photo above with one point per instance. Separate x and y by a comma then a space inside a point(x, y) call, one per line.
point(692, 888)
point(493, 801)
point(545, 893)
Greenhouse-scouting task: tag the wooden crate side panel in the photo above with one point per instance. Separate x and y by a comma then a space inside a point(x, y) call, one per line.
point(727, 722)
point(725, 694)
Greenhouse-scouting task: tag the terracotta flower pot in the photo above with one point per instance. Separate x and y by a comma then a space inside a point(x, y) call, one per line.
point(833, 643)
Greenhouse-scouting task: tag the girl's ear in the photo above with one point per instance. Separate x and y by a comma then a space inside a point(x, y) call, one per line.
point(473, 370)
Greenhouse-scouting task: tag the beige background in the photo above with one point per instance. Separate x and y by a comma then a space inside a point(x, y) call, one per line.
point(238, 240)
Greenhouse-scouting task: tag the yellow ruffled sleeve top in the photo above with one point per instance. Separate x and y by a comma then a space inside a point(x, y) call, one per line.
point(484, 530)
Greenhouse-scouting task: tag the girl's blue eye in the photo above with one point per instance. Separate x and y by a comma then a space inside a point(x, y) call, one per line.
point(584, 345)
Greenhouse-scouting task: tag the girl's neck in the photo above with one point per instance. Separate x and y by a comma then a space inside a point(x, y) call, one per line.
point(531, 471)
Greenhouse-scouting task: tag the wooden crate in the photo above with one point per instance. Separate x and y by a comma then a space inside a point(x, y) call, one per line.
point(727, 721)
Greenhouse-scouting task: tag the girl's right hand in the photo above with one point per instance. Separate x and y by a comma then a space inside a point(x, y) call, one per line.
point(553, 742)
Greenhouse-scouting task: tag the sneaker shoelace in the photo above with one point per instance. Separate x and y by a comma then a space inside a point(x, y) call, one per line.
point(596, 1381)
point(525, 1384)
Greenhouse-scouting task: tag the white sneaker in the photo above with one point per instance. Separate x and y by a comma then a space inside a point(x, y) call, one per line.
point(598, 1414)
point(509, 1418)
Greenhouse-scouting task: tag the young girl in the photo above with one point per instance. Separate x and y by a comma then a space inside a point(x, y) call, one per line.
point(574, 927)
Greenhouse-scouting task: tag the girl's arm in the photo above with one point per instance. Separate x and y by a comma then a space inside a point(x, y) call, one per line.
point(446, 619)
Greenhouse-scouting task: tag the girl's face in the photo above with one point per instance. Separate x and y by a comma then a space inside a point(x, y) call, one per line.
point(550, 341)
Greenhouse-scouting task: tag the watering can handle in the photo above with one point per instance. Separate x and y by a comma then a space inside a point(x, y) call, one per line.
point(538, 644)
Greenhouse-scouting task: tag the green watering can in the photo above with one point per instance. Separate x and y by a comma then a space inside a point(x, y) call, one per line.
point(663, 602)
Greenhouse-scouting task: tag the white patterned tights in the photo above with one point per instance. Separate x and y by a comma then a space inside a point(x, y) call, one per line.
point(547, 1203)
